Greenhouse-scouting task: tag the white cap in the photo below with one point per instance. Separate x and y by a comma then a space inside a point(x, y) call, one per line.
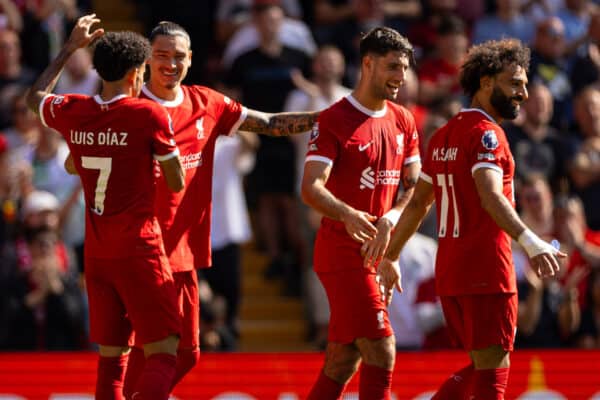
point(39, 201)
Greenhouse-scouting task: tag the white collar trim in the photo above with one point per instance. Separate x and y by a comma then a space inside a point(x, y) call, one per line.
point(99, 100)
point(165, 103)
point(363, 109)
point(488, 116)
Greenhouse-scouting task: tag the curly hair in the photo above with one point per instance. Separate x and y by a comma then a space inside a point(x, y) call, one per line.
point(382, 40)
point(169, 28)
point(115, 53)
point(489, 59)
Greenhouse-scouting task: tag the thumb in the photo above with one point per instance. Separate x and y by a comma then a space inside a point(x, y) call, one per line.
point(399, 285)
point(96, 34)
point(371, 217)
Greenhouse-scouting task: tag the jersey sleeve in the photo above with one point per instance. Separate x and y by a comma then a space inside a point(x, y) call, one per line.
point(411, 141)
point(230, 113)
point(425, 173)
point(163, 137)
point(488, 148)
point(323, 145)
point(55, 109)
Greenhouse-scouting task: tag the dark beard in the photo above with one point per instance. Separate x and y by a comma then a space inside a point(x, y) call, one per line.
point(503, 104)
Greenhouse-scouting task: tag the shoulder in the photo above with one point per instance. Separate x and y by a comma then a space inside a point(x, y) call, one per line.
point(339, 109)
point(400, 113)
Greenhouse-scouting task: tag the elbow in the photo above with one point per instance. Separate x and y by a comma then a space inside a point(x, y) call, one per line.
point(306, 194)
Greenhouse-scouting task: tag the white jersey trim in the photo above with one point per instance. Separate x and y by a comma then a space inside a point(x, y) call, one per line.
point(479, 110)
point(118, 97)
point(240, 121)
point(41, 109)
point(167, 156)
point(426, 177)
point(410, 160)
point(486, 165)
point(322, 159)
point(165, 103)
point(365, 110)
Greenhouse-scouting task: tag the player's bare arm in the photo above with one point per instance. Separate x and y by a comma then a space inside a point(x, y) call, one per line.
point(314, 193)
point(542, 256)
point(70, 165)
point(279, 124)
point(80, 37)
point(373, 250)
point(174, 173)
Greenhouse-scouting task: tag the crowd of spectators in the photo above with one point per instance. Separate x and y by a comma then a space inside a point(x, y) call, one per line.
point(298, 55)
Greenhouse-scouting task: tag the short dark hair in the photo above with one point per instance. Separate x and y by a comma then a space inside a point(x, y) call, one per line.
point(116, 53)
point(382, 40)
point(489, 59)
point(168, 28)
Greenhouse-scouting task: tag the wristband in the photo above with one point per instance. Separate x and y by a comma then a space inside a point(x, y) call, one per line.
point(533, 245)
point(393, 216)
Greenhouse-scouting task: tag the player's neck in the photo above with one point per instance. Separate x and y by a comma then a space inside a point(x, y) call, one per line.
point(161, 92)
point(367, 100)
point(110, 90)
point(487, 107)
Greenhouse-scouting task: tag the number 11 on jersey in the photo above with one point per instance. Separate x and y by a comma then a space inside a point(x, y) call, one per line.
point(446, 183)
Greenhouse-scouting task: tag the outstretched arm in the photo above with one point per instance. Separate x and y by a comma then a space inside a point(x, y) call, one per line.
point(80, 37)
point(279, 124)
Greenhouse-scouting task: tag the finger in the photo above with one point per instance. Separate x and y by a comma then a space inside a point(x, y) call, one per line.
point(560, 254)
point(357, 238)
point(399, 285)
point(96, 34)
point(389, 297)
point(368, 227)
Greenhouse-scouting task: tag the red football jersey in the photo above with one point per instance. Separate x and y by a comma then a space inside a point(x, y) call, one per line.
point(113, 144)
point(199, 116)
point(474, 254)
point(367, 151)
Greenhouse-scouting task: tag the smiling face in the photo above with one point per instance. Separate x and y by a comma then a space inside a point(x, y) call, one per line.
point(170, 60)
point(386, 73)
point(507, 92)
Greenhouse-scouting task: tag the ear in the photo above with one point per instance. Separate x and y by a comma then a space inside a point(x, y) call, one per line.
point(486, 82)
point(132, 74)
point(190, 58)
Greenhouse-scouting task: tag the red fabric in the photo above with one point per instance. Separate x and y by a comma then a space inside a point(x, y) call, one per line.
point(474, 254)
point(111, 372)
point(577, 261)
point(135, 366)
point(113, 145)
point(199, 116)
point(457, 387)
point(436, 70)
point(326, 388)
point(186, 360)
point(156, 378)
point(375, 383)
point(357, 309)
point(368, 151)
point(438, 338)
point(490, 384)
point(480, 321)
point(133, 293)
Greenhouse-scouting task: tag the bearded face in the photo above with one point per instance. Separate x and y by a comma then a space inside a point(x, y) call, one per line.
point(507, 107)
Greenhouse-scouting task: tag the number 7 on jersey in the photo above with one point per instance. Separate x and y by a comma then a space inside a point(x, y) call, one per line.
point(104, 165)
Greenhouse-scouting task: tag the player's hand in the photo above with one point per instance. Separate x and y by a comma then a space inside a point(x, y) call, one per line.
point(81, 35)
point(359, 225)
point(546, 264)
point(388, 274)
point(373, 250)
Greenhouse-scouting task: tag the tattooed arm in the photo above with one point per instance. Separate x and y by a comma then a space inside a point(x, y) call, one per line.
point(279, 124)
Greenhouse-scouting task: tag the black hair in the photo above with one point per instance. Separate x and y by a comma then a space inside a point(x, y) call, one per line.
point(169, 28)
point(116, 53)
point(382, 40)
point(451, 25)
point(489, 59)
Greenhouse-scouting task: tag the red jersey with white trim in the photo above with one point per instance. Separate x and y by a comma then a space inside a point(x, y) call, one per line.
point(199, 116)
point(113, 144)
point(474, 254)
point(367, 151)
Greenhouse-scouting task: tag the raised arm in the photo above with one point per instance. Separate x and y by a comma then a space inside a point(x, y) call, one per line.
point(279, 124)
point(80, 37)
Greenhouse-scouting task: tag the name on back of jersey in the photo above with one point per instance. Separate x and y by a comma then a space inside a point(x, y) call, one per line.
point(108, 138)
point(444, 154)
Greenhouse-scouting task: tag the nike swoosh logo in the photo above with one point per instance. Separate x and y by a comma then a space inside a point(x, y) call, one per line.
point(363, 147)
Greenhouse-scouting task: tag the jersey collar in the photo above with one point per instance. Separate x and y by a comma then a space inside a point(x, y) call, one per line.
point(363, 109)
point(165, 103)
point(488, 116)
point(99, 100)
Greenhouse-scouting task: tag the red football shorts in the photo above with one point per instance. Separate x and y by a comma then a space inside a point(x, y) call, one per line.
point(131, 293)
point(186, 283)
point(476, 322)
point(357, 309)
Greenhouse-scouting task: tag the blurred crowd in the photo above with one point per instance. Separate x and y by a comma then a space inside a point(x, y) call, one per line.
point(295, 55)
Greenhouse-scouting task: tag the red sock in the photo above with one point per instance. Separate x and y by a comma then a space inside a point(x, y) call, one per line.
point(186, 360)
point(457, 387)
point(326, 388)
point(111, 373)
point(490, 384)
point(375, 383)
point(156, 378)
point(135, 366)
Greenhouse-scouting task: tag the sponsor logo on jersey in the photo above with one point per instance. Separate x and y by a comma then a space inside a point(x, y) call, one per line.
point(369, 178)
point(486, 156)
point(363, 147)
point(314, 134)
point(489, 140)
point(200, 128)
point(192, 160)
